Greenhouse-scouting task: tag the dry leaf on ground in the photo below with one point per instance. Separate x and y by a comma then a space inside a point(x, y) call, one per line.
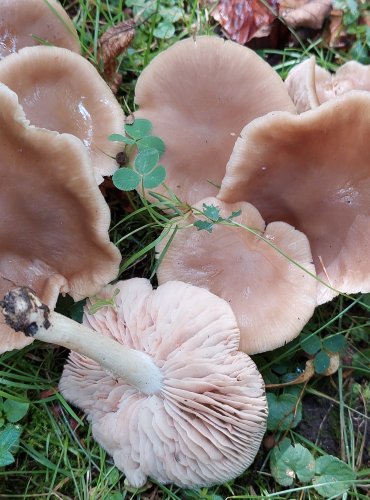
point(112, 44)
point(304, 13)
point(243, 21)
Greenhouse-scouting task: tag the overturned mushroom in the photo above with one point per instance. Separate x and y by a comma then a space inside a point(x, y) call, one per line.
point(309, 85)
point(199, 95)
point(24, 23)
point(54, 221)
point(312, 171)
point(166, 390)
point(60, 90)
point(272, 294)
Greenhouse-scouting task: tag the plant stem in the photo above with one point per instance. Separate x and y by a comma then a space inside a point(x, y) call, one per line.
point(23, 311)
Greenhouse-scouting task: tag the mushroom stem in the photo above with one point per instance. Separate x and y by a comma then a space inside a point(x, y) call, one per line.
point(23, 311)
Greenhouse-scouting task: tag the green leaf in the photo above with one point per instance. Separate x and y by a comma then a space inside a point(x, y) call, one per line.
point(121, 138)
point(126, 179)
point(321, 362)
point(289, 461)
point(234, 214)
point(211, 211)
point(154, 178)
point(170, 14)
point(100, 303)
point(359, 52)
point(281, 411)
point(139, 129)
point(151, 141)
point(311, 344)
point(146, 160)
point(338, 475)
point(164, 30)
point(204, 225)
point(15, 410)
point(9, 441)
point(334, 344)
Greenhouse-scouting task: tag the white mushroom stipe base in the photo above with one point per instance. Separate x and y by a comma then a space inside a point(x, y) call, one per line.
point(191, 410)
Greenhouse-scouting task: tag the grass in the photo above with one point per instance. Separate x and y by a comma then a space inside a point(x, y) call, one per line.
point(58, 457)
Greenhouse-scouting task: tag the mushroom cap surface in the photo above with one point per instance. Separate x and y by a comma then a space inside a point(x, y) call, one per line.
point(301, 85)
point(206, 423)
point(61, 91)
point(271, 297)
point(54, 222)
point(199, 95)
point(309, 85)
point(23, 20)
point(313, 171)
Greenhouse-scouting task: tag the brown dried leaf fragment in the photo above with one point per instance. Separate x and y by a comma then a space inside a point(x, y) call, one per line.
point(243, 21)
point(305, 13)
point(113, 43)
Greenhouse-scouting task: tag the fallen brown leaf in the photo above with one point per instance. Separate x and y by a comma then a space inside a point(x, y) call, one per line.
point(243, 21)
point(113, 43)
point(335, 35)
point(305, 13)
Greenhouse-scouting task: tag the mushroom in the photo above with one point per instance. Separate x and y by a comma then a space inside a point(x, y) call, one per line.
point(61, 91)
point(24, 23)
point(264, 273)
point(166, 390)
point(199, 94)
point(54, 222)
point(312, 171)
point(309, 85)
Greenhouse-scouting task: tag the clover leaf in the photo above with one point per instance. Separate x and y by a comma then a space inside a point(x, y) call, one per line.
point(285, 411)
point(9, 441)
point(289, 461)
point(332, 476)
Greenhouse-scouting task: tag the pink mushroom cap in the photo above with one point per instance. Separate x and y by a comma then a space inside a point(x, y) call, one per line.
point(54, 220)
point(272, 294)
point(199, 94)
point(313, 171)
point(24, 23)
point(309, 85)
point(61, 91)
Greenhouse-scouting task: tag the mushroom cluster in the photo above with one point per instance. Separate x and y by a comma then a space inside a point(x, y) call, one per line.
point(273, 163)
point(198, 95)
point(162, 381)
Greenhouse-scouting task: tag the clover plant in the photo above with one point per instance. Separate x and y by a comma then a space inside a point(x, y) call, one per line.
point(145, 170)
